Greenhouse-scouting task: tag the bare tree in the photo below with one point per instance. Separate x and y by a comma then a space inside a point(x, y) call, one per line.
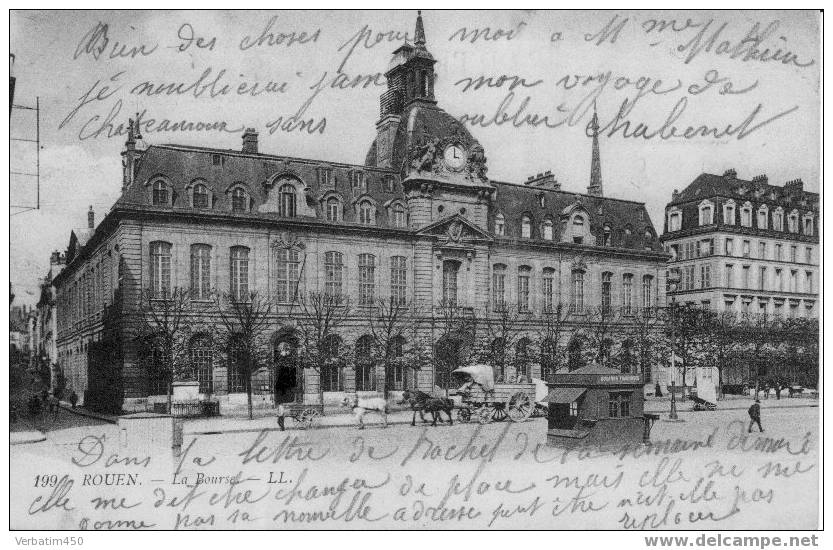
point(684, 329)
point(599, 324)
point(323, 314)
point(501, 333)
point(552, 324)
point(644, 331)
point(720, 339)
point(164, 329)
point(455, 345)
point(244, 333)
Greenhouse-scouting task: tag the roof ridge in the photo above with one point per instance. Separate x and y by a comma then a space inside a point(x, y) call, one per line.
point(562, 191)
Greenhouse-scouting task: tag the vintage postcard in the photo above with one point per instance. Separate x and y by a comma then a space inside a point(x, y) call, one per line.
point(416, 270)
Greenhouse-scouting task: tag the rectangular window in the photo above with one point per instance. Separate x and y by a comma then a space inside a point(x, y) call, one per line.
point(398, 280)
point(450, 270)
point(762, 281)
point(627, 293)
point(547, 288)
point(762, 250)
point(705, 276)
point(809, 255)
point(160, 269)
point(499, 287)
point(689, 277)
point(619, 404)
point(367, 279)
point(239, 273)
point(793, 281)
point(523, 289)
point(746, 277)
point(730, 276)
point(730, 247)
point(808, 287)
point(779, 280)
point(745, 249)
point(577, 303)
point(287, 274)
point(333, 274)
point(200, 272)
point(606, 288)
point(647, 293)
point(793, 254)
point(778, 252)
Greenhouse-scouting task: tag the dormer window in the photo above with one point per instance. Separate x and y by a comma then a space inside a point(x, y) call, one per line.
point(367, 213)
point(778, 219)
point(729, 213)
point(746, 215)
point(763, 217)
point(161, 193)
point(239, 200)
point(808, 225)
point(325, 177)
point(358, 182)
point(608, 236)
point(526, 227)
point(547, 230)
point(792, 222)
point(500, 225)
point(333, 209)
point(675, 221)
point(201, 197)
point(286, 194)
point(706, 213)
point(217, 160)
point(542, 200)
point(389, 183)
point(398, 215)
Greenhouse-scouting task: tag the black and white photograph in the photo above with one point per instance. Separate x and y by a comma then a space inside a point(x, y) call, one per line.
point(416, 269)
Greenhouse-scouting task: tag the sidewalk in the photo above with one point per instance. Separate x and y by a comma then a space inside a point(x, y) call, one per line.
point(232, 424)
point(730, 403)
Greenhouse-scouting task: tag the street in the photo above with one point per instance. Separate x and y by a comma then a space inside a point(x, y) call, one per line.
point(704, 472)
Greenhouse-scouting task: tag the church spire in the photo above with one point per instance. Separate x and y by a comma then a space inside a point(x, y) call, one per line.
point(595, 187)
point(419, 32)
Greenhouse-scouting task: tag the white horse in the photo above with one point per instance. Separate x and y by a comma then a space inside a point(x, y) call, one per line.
point(363, 406)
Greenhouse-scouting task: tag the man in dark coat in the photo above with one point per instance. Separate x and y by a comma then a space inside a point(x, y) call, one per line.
point(755, 415)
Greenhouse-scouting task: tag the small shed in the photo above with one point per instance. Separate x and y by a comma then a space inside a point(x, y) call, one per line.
point(597, 406)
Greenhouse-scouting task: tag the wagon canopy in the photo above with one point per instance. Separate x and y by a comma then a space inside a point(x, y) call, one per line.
point(480, 374)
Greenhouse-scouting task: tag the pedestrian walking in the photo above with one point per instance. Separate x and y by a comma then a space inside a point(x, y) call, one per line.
point(755, 415)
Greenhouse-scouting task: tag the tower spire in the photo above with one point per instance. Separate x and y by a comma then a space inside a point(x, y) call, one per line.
point(595, 187)
point(419, 32)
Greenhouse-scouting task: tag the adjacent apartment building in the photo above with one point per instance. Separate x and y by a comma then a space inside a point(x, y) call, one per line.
point(419, 220)
point(746, 246)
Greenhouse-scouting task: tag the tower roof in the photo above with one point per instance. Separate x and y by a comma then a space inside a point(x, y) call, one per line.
point(595, 187)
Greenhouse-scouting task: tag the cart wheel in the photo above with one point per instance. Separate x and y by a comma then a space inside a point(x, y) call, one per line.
point(464, 415)
point(309, 418)
point(485, 414)
point(519, 406)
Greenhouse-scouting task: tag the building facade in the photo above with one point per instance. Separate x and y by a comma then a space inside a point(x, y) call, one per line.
point(419, 223)
point(745, 246)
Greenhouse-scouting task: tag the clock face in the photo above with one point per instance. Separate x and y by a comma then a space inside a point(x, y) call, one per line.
point(454, 157)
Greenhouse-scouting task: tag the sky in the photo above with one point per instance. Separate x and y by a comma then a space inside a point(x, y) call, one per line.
point(525, 82)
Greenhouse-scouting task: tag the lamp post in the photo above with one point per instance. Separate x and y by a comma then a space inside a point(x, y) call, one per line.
point(673, 279)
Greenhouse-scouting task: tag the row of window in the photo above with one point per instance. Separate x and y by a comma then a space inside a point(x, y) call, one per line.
point(763, 281)
point(577, 304)
point(201, 198)
point(580, 230)
point(764, 218)
point(91, 290)
point(706, 247)
point(287, 273)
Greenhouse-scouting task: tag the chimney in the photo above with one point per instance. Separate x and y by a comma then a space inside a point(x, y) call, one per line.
point(91, 218)
point(730, 174)
point(250, 141)
point(796, 186)
point(545, 180)
point(55, 258)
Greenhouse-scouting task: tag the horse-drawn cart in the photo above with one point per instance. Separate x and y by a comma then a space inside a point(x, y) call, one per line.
point(308, 416)
point(484, 401)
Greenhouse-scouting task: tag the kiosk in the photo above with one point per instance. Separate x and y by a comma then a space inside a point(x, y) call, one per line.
point(597, 406)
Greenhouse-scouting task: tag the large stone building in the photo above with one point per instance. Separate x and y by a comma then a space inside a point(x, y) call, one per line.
point(419, 220)
point(745, 245)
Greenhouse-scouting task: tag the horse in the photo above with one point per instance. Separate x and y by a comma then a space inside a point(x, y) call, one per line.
point(422, 402)
point(367, 404)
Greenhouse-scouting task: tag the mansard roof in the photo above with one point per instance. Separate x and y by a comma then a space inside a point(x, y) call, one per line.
point(515, 200)
point(758, 190)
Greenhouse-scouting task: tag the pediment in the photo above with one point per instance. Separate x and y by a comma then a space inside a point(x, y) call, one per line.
point(455, 228)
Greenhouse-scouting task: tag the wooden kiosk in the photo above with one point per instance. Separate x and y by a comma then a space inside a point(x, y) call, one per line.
point(596, 406)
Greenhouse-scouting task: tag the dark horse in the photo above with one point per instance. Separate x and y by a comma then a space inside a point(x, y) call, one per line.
point(422, 402)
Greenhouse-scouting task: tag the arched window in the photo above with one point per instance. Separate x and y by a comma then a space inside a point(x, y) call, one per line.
point(366, 213)
point(286, 194)
point(450, 271)
point(200, 271)
point(792, 222)
point(367, 279)
point(200, 197)
point(500, 225)
point(288, 273)
point(331, 379)
point(547, 230)
point(161, 193)
point(199, 352)
point(239, 200)
point(606, 291)
point(526, 227)
point(729, 213)
point(398, 215)
point(577, 297)
point(365, 371)
point(778, 219)
point(239, 273)
point(647, 293)
point(627, 293)
point(524, 276)
point(333, 209)
point(160, 269)
point(706, 214)
point(808, 225)
point(333, 273)
point(499, 287)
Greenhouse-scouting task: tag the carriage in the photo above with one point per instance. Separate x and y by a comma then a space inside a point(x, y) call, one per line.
point(482, 400)
point(306, 415)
